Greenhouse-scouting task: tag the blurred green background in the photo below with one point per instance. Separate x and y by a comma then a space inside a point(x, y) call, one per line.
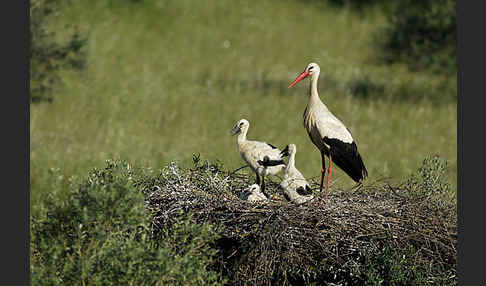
point(155, 81)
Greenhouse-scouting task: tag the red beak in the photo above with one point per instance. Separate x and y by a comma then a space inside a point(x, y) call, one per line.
point(299, 78)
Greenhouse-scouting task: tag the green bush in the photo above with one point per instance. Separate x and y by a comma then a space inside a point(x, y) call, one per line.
point(386, 265)
point(421, 33)
point(99, 233)
point(430, 180)
point(47, 56)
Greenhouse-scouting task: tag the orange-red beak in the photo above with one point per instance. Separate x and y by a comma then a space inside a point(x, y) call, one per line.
point(299, 78)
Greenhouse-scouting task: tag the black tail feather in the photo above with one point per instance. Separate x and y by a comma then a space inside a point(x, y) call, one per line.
point(347, 158)
point(267, 162)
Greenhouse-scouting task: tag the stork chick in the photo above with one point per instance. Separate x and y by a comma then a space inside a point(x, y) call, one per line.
point(253, 151)
point(253, 194)
point(295, 187)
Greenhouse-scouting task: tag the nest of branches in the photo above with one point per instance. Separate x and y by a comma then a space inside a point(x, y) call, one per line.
point(277, 242)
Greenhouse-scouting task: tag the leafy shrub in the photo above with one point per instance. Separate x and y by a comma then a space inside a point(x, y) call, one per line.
point(430, 180)
point(421, 33)
point(386, 265)
point(48, 57)
point(100, 234)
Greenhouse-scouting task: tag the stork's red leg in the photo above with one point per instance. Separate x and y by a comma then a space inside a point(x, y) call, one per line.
point(328, 176)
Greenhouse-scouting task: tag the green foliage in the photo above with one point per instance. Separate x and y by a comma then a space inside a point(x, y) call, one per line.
point(430, 180)
point(387, 265)
point(99, 233)
point(384, 263)
point(48, 56)
point(423, 34)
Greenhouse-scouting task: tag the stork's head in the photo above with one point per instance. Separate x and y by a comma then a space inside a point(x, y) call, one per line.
point(252, 190)
point(310, 70)
point(241, 126)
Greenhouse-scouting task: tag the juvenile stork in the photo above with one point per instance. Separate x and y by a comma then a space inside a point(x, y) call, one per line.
point(253, 194)
point(253, 151)
point(295, 187)
point(329, 134)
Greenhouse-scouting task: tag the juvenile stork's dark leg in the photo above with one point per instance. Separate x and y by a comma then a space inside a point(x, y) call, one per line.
point(257, 179)
point(263, 187)
point(323, 158)
point(328, 175)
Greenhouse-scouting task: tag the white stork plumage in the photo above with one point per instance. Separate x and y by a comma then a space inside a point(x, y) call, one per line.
point(253, 194)
point(253, 151)
point(329, 134)
point(295, 187)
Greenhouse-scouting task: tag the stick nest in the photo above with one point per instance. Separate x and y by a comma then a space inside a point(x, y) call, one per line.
point(277, 242)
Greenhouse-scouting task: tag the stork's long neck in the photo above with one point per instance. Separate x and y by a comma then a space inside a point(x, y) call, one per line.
point(242, 136)
point(313, 94)
point(291, 162)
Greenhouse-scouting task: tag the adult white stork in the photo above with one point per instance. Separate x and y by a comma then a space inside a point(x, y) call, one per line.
point(253, 151)
point(329, 134)
point(294, 185)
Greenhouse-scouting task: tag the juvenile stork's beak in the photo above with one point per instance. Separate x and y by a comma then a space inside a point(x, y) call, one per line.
point(299, 78)
point(235, 130)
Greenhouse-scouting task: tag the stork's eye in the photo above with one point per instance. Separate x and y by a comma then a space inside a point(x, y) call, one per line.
point(241, 124)
point(310, 68)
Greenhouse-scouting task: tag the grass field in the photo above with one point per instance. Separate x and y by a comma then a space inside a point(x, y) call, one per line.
point(167, 79)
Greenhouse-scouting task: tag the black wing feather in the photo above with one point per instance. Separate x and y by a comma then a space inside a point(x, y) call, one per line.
point(285, 151)
point(347, 157)
point(304, 192)
point(273, 147)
